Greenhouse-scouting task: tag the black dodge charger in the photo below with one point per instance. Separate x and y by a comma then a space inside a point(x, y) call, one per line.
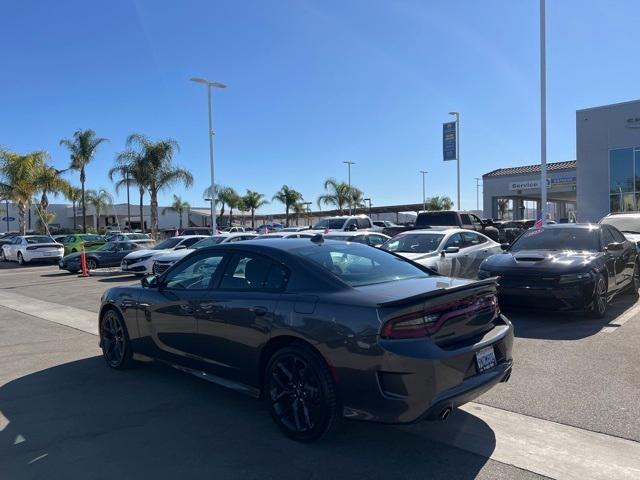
point(318, 329)
point(565, 266)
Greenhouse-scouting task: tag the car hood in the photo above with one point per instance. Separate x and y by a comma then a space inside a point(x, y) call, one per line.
point(71, 257)
point(541, 260)
point(144, 253)
point(174, 256)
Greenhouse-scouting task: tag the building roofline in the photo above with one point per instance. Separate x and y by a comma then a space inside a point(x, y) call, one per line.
point(531, 169)
point(604, 107)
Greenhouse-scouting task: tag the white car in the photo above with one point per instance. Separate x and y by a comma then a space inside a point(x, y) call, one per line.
point(285, 234)
point(374, 239)
point(140, 262)
point(24, 249)
point(163, 262)
point(452, 252)
point(130, 237)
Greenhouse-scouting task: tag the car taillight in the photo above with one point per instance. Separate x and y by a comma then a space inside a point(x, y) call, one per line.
point(427, 322)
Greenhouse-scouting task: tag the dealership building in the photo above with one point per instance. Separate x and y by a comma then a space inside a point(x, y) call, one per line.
point(605, 177)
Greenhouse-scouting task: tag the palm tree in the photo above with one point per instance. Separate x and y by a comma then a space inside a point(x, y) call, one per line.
point(74, 195)
point(298, 209)
point(49, 181)
point(253, 201)
point(178, 206)
point(233, 200)
point(18, 179)
point(289, 197)
point(439, 203)
point(356, 198)
point(131, 167)
point(83, 147)
point(160, 171)
point(338, 194)
point(100, 200)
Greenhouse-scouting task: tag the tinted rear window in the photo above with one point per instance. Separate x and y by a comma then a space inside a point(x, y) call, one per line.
point(437, 218)
point(359, 265)
point(42, 239)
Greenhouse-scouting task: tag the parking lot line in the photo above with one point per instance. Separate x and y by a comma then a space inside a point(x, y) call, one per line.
point(77, 318)
point(547, 448)
point(622, 319)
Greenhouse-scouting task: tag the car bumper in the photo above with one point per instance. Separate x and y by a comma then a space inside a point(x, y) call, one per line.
point(414, 379)
point(36, 256)
point(138, 267)
point(563, 297)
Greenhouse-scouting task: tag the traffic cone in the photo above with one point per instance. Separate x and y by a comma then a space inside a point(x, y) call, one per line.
point(83, 262)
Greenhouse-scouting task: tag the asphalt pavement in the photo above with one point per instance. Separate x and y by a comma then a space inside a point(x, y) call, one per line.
point(569, 411)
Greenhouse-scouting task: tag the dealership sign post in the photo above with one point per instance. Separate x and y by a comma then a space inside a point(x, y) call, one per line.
point(451, 146)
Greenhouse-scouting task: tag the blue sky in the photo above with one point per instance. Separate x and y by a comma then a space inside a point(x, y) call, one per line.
point(312, 84)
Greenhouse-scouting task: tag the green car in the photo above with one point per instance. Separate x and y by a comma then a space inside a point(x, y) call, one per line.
point(90, 241)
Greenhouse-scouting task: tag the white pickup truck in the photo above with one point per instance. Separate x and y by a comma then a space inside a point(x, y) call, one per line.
point(346, 223)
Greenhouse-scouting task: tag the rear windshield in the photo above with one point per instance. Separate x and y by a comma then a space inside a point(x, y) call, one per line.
point(437, 218)
point(626, 224)
point(413, 243)
point(42, 239)
point(207, 242)
point(359, 265)
point(577, 239)
point(344, 238)
point(332, 223)
point(168, 243)
point(91, 238)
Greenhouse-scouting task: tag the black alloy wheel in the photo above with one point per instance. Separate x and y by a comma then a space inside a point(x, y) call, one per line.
point(634, 286)
point(114, 340)
point(92, 264)
point(599, 302)
point(301, 395)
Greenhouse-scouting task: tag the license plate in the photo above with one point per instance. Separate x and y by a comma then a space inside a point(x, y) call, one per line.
point(486, 359)
point(48, 254)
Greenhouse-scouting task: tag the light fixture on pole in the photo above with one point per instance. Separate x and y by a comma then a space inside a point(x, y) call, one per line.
point(350, 196)
point(369, 201)
point(543, 113)
point(424, 197)
point(457, 115)
point(210, 85)
point(477, 193)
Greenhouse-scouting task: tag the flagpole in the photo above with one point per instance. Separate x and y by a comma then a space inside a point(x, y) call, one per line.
point(543, 113)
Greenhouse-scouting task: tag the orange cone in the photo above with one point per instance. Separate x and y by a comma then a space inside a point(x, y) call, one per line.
point(83, 262)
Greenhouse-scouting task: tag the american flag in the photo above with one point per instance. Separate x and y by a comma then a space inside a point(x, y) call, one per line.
point(538, 224)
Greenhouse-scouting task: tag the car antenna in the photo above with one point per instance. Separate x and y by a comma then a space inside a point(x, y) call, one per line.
point(317, 238)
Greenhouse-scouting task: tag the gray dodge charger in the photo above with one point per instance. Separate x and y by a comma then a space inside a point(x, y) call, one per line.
point(321, 330)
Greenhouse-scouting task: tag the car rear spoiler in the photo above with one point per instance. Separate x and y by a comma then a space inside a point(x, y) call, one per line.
point(488, 282)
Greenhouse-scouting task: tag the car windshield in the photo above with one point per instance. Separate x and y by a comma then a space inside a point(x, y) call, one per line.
point(626, 224)
point(208, 242)
point(413, 243)
point(359, 265)
point(91, 238)
point(42, 239)
point(107, 247)
point(267, 237)
point(137, 236)
point(168, 243)
point(332, 223)
point(437, 218)
point(578, 239)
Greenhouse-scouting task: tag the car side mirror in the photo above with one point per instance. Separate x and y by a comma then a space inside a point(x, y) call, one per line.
point(450, 250)
point(504, 246)
point(353, 227)
point(150, 281)
point(181, 247)
point(615, 246)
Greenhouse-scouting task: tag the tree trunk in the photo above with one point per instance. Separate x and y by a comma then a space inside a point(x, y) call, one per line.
point(180, 213)
point(74, 216)
point(230, 215)
point(253, 218)
point(154, 213)
point(21, 218)
point(221, 216)
point(286, 216)
point(84, 202)
point(141, 210)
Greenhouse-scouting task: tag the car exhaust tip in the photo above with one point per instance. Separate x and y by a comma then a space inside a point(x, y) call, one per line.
point(445, 414)
point(506, 378)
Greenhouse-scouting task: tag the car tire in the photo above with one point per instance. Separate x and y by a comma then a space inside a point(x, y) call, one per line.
point(114, 340)
point(73, 250)
point(301, 395)
point(3, 258)
point(73, 271)
point(21, 259)
point(92, 264)
point(599, 303)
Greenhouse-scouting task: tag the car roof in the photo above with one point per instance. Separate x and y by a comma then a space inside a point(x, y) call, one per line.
point(352, 234)
point(573, 225)
point(624, 214)
point(183, 237)
point(437, 230)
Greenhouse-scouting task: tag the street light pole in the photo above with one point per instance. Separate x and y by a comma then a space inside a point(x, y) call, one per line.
point(350, 196)
point(477, 193)
point(424, 198)
point(209, 85)
point(457, 115)
point(308, 204)
point(543, 113)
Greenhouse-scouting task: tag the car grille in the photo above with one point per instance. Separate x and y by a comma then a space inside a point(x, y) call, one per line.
point(527, 280)
point(159, 268)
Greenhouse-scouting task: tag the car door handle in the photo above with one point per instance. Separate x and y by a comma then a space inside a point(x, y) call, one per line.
point(259, 311)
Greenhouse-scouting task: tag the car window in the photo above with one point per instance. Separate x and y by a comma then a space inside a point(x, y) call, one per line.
point(470, 239)
point(252, 272)
point(190, 241)
point(476, 221)
point(376, 240)
point(465, 219)
point(454, 240)
point(39, 239)
point(195, 273)
point(413, 243)
point(552, 238)
point(617, 236)
point(607, 236)
point(363, 223)
point(70, 240)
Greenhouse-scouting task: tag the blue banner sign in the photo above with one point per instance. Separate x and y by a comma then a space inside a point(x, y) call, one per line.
point(449, 144)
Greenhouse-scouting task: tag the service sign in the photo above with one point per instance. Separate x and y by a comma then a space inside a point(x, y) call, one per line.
point(524, 185)
point(449, 145)
point(535, 184)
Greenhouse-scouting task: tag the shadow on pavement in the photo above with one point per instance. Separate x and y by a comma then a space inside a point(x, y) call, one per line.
point(553, 325)
point(81, 420)
point(119, 278)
